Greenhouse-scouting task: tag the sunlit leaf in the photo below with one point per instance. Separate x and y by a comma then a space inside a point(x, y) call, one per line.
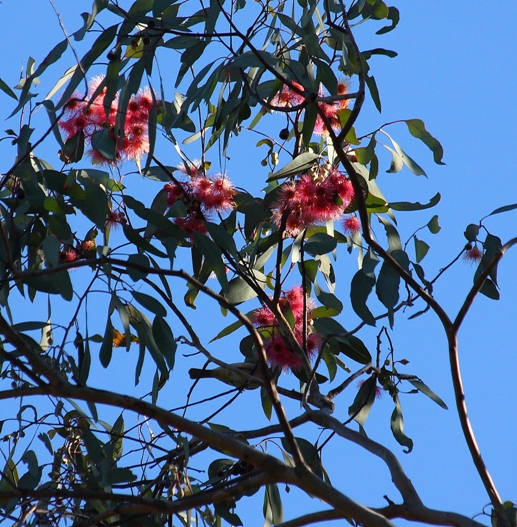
point(298, 165)
point(397, 428)
point(417, 129)
point(420, 386)
point(421, 249)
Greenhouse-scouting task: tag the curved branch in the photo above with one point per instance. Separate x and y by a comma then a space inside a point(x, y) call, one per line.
point(429, 516)
point(399, 478)
point(279, 472)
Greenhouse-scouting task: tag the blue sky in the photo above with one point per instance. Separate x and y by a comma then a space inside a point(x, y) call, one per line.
point(455, 70)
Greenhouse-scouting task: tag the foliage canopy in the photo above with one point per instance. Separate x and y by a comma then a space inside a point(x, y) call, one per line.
point(121, 246)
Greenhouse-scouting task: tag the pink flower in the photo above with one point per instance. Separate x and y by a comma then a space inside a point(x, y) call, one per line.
point(278, 352)
point(210, 194)
point(352, 225)
point(68, 254)
point(115, 219)
point(473, 254)
point(194, 168)
point(287, 97)
point(90, 117)
point(312, 199)
point(280, 356)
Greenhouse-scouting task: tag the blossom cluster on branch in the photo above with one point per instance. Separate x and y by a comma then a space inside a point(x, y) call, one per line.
point(202, 195)
point(86, 116)
point(278, 352)
point(321, 195)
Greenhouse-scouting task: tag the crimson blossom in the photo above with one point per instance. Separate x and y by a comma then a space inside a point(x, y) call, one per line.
point(278, 352)
point(316, 197)
point(84, 115)
point(203, 195)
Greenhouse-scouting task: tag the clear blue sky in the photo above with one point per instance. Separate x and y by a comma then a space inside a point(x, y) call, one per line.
point(456, 70)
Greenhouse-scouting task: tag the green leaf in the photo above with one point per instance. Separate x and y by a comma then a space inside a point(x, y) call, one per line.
point(228, 330)
point(273, 509)
point(331, 363)
point(397, 428)
point(421, 387)
point(360, 288)
point(354, 348)
point(421, 249)
point(135, 238)
point(320, 243)
point(150, 303)
point(433, 225)
point(5, 88)
point(32, 477)
point(223, 239)
point(408, 161)
point(394, 16)
point(298, 165)
point(328, 300)
point(223, 510)
point(471, 232)
point(106, 349)
point(363, 402)
point(311, 269)
point(267, 403)
point(408, 206)
point(396, 161)
point(239, 291)
point(29, 326)
point(309, 453)
point(417, 129)
point(104, 143)
point(95, 203)
point(63, 284)
point(379, 51)
point(388, 282)
point(324, 312)
point(164, 338)
point(506, 208)
point(140, 260)
point(50, 247)
point(213, 257)
point(366, 154)
point(392, 234)
point(492, 245)
point(374, 92)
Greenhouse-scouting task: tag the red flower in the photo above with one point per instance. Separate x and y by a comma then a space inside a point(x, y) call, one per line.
point(90, 117)
point(314, 198)
point(473, 254)
point(115, 219)
point(68, 254)
point(352, 225)
point(278, 352)
point(280, 356)
point(287, 97)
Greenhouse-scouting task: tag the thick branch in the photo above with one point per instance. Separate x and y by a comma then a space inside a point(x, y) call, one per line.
point(279, 472)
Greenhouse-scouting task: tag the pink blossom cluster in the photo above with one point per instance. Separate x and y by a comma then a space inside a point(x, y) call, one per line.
point(314, 198)
point(202, 195)
point(87, 117)
point(279, 354)
point(287, 98)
